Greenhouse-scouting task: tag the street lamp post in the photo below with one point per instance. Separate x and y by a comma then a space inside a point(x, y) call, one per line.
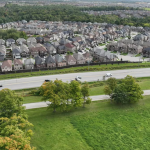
point(15, 75)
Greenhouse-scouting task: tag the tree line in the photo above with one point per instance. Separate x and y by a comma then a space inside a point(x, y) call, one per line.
point(12, 33)
point(64, 96)
point(107, 8)
point(11, 13)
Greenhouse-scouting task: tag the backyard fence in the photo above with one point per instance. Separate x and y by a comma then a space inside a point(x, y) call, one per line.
point(63, 67)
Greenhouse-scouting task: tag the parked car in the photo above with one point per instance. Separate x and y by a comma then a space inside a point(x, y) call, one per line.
point(1, 86)
point(47, 80)
point(78, 78)
point(108, 75)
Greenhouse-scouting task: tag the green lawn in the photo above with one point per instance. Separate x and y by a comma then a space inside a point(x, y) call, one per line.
point(97, 90)
point(124, 54)
point(32, 99)
point(137, 55)
point(100, 126)
point(144, 83)
point(147, 9)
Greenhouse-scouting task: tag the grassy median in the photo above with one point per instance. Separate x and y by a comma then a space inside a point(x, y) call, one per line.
point(87, 68)
point(96, 88)
point(99, 126)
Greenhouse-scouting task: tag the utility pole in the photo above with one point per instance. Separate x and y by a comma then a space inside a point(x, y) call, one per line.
point(88, 65)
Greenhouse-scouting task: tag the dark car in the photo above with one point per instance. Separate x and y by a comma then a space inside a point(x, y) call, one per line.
point(1, 86)
point(47, 80)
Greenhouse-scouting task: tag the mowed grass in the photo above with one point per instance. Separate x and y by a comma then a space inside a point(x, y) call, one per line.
point(54, 132)
point(100, 126)
point(147, 9)
point(32, 99)
point(96, 90)
point(144, 83)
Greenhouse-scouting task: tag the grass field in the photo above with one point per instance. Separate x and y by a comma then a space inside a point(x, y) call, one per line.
point(100, 126)
point(32, 99)
point(97, 90)
point(147, 9)
point(87, 68)
point(137, 55)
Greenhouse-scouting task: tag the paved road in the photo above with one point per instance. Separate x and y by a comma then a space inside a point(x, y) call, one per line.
point(94, 98)
point(32, 82)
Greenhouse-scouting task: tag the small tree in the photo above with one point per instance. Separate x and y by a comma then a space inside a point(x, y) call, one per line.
point(120, 94)
point(50, 93)
point(127, 92)
point(66, 97)
point(10, 103)
point(133, 89)
point(85, 93)
point(76, 95)
point(110, 86)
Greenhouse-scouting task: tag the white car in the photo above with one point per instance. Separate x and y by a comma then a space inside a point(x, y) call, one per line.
point(108, 75)
point(78, 78)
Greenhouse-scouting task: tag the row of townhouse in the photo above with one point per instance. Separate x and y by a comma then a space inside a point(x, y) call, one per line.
point(37, 49)
point(38, 27)
point(101, 55)
point(140, 44)
point(49, 62)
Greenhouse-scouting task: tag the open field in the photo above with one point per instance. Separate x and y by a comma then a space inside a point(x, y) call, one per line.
point(100, 126)
point(87, 68)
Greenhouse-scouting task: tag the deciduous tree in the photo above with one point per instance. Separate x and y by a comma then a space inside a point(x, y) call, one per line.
point(15, 133)
point(110, 86)
point(76, 95)
point(127, 92)
point(10, 103)
point(85, 94)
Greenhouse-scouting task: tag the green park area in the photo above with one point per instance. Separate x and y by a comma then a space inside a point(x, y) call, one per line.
point(101, 67)
point(119, 123)
point(101, 125)
point(96, 88)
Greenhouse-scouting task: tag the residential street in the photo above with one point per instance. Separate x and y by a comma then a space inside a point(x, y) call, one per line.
point(94, 98)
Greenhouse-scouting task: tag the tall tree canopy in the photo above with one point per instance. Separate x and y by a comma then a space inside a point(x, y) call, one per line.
point(126, 91)
point(10, 103)
point(11, 13)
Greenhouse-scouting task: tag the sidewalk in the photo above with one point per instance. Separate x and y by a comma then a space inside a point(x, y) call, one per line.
point(94, 98)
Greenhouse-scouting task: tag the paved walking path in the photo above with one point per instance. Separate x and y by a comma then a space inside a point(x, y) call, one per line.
point(94, 98)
